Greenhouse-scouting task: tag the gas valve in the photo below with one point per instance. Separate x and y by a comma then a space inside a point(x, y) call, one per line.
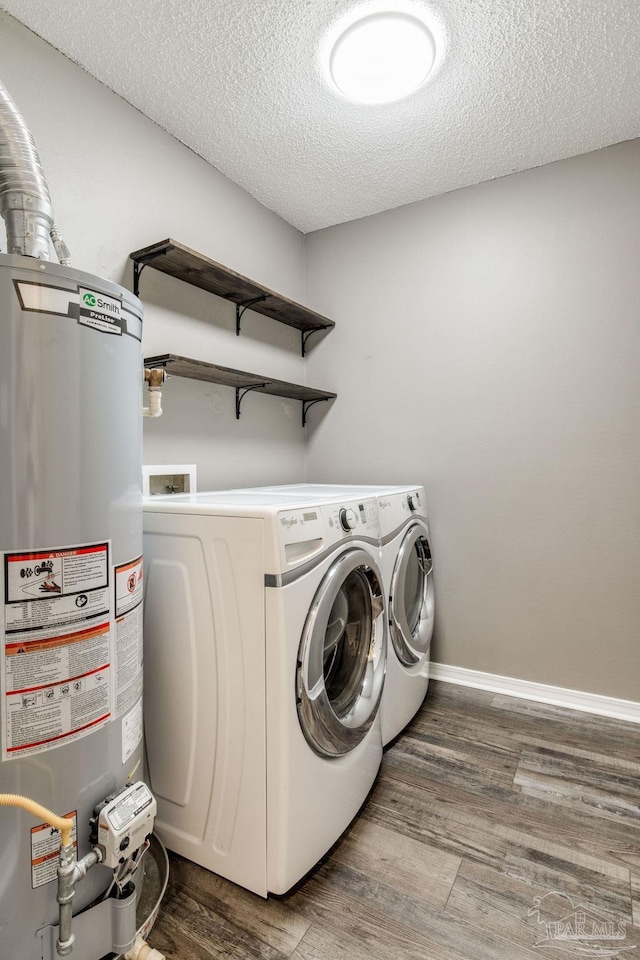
point(123, 823)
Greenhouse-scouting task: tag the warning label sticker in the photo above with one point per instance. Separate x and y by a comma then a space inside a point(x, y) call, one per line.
point(128, 579)
point(131, 730)
point(128, 635)
point(55, 587)
point(56, 680)
point(45, 851)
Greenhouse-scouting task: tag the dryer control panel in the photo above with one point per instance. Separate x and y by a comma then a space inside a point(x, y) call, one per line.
point(396, 509)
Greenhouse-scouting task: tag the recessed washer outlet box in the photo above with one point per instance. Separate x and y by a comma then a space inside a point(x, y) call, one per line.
point(159, 480)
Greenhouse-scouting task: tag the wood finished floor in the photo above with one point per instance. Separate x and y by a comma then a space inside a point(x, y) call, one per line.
point(484, 803)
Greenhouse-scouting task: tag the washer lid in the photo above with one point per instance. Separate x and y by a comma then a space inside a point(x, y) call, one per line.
point(411, 604)
point(342, 656)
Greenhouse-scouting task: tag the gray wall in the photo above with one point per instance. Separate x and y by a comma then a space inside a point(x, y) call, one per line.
point(488, 346)
point(118, 183)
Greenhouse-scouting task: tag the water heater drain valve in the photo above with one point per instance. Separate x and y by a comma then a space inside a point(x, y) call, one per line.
point(123, 823)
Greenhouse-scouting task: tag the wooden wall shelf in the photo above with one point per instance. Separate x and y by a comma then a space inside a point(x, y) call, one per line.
point(181, 262)
point(240, 380)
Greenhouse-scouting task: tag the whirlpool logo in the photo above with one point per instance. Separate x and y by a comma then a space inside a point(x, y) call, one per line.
point(289, 522)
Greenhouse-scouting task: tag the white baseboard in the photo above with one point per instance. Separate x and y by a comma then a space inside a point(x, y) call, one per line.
point(541, 692)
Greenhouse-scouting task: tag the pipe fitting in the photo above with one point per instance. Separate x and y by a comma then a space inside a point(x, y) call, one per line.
point(62, 250)
point(70, 872)
point(155, 377)
point(65, 895)
point(142, 951)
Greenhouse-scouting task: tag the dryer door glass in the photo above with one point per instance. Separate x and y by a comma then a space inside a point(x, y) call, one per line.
point(411, 606)
point(342, 655)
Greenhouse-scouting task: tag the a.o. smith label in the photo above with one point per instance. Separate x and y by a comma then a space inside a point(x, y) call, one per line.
point(89, 307)
point(100, 311)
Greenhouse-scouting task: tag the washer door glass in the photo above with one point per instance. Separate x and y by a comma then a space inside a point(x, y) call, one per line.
point(342, 656)
point(411, 606)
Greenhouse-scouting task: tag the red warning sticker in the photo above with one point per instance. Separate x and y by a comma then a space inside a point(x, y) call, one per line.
point(45, 850)
point(56, 646)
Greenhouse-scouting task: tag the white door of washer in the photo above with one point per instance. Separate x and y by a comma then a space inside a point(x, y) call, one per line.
point(411, 601)
point(342, 656)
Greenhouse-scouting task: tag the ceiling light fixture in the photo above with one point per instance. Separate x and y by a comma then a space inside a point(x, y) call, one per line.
point(382, 58)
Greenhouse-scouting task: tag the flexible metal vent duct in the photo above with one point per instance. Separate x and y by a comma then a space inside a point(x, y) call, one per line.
point(25, 203)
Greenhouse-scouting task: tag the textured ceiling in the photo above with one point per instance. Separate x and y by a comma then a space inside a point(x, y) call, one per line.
point(518, 83)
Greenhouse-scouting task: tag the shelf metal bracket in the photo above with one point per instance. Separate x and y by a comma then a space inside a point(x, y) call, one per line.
point(304, 336)
point(139, 265)
point(241, 393)
point(137, 270)
point(306, 406)
point(241, 307)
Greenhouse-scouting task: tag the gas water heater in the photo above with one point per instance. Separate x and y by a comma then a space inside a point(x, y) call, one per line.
point(71, 381)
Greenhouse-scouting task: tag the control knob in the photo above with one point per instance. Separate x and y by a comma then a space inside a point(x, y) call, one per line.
point(411, 503)
point(348, 519)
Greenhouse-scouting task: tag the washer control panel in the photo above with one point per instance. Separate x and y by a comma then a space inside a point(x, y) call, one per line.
point(348, 519)
point(305, 532)
point(353, 518)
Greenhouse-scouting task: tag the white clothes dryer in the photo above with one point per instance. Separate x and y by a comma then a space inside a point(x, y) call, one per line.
point(265, 652)
point(407, 572)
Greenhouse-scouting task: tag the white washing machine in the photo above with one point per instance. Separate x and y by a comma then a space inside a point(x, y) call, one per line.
point(265, 651)
point(406, 564)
